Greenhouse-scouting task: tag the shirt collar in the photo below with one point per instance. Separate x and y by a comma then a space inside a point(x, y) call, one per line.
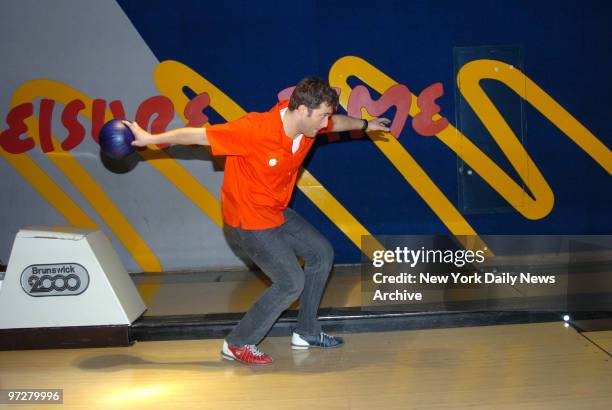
point(286, 141)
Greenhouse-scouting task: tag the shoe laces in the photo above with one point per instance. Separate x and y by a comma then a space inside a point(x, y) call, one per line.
point(255, 350)
point(326, 337)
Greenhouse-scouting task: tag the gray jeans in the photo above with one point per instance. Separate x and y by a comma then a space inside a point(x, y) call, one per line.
point(274, 251)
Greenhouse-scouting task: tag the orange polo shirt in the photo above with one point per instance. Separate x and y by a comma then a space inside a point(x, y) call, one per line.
point(260, 169)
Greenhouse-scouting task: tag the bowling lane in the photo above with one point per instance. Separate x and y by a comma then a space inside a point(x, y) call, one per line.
point(531, 366)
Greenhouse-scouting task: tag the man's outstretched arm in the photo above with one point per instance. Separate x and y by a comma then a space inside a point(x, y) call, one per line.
point(181, 136)
point(346, 123)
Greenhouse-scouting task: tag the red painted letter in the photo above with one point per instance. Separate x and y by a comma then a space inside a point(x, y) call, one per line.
point(9, 139)
point(194, 110)
point(44, 124)
point(160, 105)
point(76, 131)
point(398, 95)
point(422, 122)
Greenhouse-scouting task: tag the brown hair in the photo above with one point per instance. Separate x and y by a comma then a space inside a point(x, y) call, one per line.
point(311, 92)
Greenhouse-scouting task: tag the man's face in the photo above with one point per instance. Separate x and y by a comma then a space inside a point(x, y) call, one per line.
point(315, 120)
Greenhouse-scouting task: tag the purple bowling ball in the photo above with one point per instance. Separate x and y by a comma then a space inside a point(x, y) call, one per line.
point(116, 139)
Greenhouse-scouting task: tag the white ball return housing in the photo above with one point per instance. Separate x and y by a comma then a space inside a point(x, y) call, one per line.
point(66, 287)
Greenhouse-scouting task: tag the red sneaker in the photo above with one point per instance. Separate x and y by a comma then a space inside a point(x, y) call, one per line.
point(248, 354)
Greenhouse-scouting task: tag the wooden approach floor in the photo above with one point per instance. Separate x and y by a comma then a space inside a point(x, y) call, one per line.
point(530, 366)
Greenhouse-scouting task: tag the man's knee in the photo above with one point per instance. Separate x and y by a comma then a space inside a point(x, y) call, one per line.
point(292, 286)
point(322, 255)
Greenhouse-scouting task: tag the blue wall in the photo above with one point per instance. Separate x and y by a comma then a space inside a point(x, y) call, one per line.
point(253, 50)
